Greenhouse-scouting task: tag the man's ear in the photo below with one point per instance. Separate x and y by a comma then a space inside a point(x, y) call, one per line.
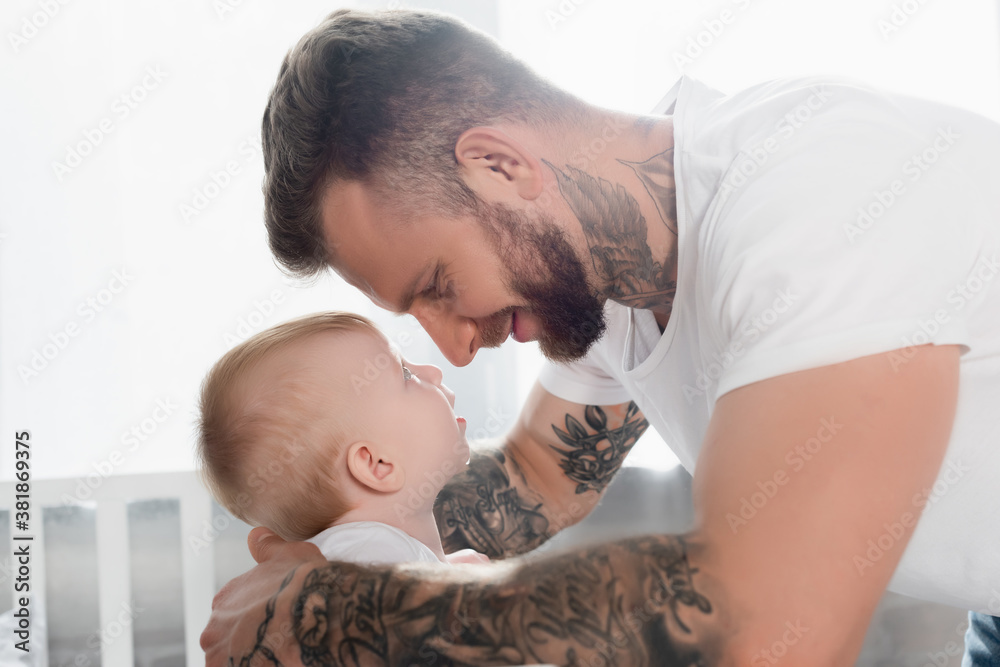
point(372, 468)
point(494, 162)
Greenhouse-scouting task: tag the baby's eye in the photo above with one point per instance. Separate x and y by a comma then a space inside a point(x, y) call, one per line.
point(407, 374)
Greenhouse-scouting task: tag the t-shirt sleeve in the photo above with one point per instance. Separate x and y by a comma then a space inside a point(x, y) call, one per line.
point(584, 381)
point(847, 241)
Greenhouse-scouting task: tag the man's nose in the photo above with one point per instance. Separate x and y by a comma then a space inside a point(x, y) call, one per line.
point(455, 336)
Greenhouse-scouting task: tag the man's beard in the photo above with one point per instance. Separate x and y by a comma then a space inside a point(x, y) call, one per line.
point(543, 269)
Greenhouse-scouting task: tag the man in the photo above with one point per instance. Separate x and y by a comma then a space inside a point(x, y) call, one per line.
point(791, 283)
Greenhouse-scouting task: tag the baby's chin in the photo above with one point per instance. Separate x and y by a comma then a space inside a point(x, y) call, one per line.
point(465, 454)
point(461, 449)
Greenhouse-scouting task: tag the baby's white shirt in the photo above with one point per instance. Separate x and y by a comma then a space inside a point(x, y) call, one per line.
point(372, 543)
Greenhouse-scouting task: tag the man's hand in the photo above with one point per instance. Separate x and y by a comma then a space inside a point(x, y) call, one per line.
point(250, 615)
point(466, 557)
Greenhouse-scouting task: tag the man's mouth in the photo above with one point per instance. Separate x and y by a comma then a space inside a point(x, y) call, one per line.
point(515, 330)
point(521, 328)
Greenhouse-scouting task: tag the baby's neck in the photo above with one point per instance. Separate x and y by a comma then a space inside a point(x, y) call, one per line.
point(418, 524)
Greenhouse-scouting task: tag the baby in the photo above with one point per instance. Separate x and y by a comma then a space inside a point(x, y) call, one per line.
point(320, 431)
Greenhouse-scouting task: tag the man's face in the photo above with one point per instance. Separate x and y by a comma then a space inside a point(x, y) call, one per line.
point(471, 282)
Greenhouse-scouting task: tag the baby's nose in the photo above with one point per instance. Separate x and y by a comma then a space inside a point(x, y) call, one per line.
point(432, 373)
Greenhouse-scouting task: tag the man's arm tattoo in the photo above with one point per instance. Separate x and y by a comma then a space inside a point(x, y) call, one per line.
point(637, 603)
point(261, 647)
point(593, 458)
point(483, 509)
point(616, 230)
point(489, 507)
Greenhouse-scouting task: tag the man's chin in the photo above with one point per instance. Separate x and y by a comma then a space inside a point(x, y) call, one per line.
point(567, 350)
point(561, 356)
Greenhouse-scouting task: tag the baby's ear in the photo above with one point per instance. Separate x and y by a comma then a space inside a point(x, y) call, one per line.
point(372, 468)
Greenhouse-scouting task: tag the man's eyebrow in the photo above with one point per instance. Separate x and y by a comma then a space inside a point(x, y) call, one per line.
point(410, 295)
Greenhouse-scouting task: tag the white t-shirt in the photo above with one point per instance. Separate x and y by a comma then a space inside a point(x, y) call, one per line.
point(821, 221)
point(372, 543)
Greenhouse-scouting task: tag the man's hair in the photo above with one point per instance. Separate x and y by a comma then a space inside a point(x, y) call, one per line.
point(382, 98)
point(268, 445)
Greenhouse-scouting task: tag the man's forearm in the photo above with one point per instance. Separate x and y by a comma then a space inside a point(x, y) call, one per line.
point(489, 507)
point(638, 602)
point(493, 506)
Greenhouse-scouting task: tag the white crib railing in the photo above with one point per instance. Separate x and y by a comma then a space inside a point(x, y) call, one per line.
point(110, 497)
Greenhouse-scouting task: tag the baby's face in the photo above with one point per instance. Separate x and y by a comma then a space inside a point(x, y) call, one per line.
point(404, 405)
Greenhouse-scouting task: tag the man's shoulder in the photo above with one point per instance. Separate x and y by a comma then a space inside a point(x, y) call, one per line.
point(780, 89)
point(784, 113)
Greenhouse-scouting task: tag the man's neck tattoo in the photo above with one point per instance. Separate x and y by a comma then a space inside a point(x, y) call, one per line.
point(617, 234)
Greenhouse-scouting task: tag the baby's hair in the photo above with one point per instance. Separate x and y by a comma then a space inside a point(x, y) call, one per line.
point(267, 449)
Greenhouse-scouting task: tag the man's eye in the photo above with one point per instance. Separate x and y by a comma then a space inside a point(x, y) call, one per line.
point(440, 294)
point(434, 292)
point(407, 374)
point(431, 292)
